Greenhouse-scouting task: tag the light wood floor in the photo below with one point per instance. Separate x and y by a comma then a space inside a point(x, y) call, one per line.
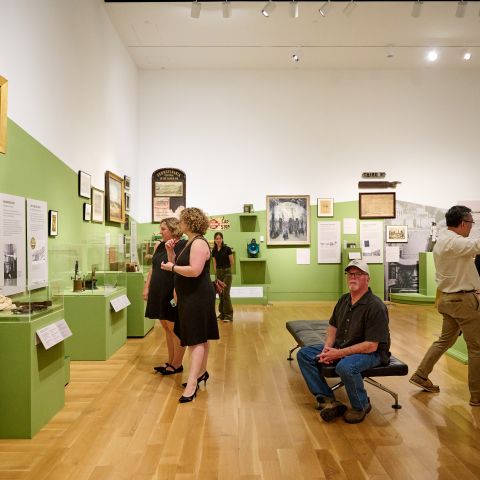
point(255, 419)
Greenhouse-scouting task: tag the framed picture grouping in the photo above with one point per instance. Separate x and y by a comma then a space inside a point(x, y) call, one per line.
point(52, 223)
point(324, 207)
point(288, 220)
point(376, 205)
point(84, 184)
point(98, 205)
point(115, 200)
point(397, 234)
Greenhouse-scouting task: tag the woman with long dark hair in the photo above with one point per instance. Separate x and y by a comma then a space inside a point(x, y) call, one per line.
point(223, 262)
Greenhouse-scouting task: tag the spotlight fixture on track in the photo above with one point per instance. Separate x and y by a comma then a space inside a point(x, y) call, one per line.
point(226, 9)
point(417, 8)
point(461, 9)
point(325, 8)
point(195, 10)
point(349, 8)
point(268, 8)
point(293, 9)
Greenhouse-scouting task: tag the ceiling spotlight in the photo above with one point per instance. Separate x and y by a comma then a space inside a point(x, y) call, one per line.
point(467, 56)
point(294, 9)
point(461, 9)
point(268, 8)
point(325, 8)
point(195, 10)
point(349, 8)
point(227, 9)
point(432, 55)
point(295, 58)
point(417, 8)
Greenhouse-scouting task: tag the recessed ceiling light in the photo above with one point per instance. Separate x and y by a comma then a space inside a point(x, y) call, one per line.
point(432, 55)
point(467, 56)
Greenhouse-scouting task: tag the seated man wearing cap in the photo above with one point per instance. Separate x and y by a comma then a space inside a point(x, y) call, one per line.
point(357, 339)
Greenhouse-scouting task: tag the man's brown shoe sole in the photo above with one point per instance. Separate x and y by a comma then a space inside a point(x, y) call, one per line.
point(427, 389)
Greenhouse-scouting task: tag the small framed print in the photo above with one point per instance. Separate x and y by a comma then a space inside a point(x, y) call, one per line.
point(127, 202)
point(87, 212)
point(126, 225)
point(397, 234)
point(98, 205)
point(324, 207)
point(52, 223)
point(376, 205)
point(126, 182)
point(114, 191)
point(84, 184)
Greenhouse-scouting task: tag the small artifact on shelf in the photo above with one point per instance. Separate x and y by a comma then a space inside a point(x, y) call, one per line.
point(78, 283)
point(31, 307)
point(253, 249)
point(248, 208)
point(6, 304)
point(91, 283)
point(131, 267)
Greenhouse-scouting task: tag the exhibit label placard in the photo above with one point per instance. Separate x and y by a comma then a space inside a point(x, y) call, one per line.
point(37, 243)
point(120, 303)
point(53, 333)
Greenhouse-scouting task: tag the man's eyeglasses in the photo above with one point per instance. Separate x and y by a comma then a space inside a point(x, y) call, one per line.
point(354, 274)
point(468, 221)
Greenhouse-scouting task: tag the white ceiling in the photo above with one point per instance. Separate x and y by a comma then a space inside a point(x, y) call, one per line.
point(164, 36)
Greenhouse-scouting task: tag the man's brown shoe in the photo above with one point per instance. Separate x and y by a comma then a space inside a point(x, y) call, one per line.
point(332, 410)
point(424, 383)
point(474, 402)
point(357, 416)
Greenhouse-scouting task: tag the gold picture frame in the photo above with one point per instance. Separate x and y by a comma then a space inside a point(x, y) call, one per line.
point(324, 207)
point(3, 114)
point(114, 198)
point(376, 205)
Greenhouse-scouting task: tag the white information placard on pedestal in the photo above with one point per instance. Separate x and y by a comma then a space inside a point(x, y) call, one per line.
point(53, 333)
point(120, 303)
point(37, 243)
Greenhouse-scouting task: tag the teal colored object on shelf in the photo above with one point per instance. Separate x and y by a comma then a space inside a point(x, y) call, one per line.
point(253, 249)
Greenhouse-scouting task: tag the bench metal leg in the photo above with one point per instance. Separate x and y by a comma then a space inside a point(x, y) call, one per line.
point(290, 358)
point(396, 405)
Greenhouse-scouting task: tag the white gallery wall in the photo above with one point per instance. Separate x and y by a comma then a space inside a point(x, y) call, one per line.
point(72, 84)
point(240, 135)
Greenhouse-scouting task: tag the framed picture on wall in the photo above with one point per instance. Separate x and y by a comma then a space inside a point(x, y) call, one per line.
point(3, 114)
point(397, 234)
point(87, 212)
point(126, 182)
point(84, 184)
point(52, 223)
point(376, 205)
point(98, 205)
point(324, 207)
point(127, 202)
point(288, 220)
point(115, 201)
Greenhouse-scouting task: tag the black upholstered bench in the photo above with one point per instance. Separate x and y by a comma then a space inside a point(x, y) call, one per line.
point(312, 332)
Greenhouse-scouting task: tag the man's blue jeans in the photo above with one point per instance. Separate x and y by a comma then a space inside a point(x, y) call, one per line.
point(348, 369)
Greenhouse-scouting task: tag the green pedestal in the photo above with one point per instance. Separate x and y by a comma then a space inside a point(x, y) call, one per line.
point(98, 331)
point(137, 324)
point(32, 379)
point(426, 272)
point(459, 350)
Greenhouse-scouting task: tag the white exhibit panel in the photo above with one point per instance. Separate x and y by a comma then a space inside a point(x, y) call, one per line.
point(37, 244)
point(120, 303)
point(371, 241)
point(12, 244)
point(53, 334)
point(328, 243)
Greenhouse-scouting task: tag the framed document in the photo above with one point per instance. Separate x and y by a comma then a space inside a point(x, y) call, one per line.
point(324, 207)
point(376, 205)
point(397, 234)
point(84, 185)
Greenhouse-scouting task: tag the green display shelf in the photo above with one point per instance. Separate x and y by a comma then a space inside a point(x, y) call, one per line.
point(253, 271)
point(137, 324)
point(98, 331)
point(32, 378)
point(253, 259)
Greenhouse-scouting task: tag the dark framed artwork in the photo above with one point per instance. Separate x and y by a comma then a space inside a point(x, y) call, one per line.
point(84, 184)
point(87, 212)
point(127, 202)
point(288, 220)
point(169, 187)
point(3, 114)
point(98, 205)
point(52, 223)
point(114, 198)
point(126, 183)
point(376, 205)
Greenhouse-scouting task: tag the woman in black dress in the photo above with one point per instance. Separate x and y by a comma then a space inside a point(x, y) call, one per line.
point(195, 297)
point(158, 292)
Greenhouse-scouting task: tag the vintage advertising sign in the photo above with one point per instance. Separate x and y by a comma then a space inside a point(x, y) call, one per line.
point(168, 193)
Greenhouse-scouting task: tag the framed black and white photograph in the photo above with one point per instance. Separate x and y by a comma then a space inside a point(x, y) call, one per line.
point(126, 183)
point(324, 207)
point(397, 234)
point(52, 223)
point(127, 202)
point(376, 205)
point(87, 212)
point(98, 205)
point(84, 184)
point(288, 220)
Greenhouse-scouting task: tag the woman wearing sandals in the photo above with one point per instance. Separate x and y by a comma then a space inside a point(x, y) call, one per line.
point(158, 292)
point(195, 297)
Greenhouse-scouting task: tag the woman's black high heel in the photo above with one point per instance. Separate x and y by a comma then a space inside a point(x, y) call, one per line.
point(183, 399)
point(202, 378)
